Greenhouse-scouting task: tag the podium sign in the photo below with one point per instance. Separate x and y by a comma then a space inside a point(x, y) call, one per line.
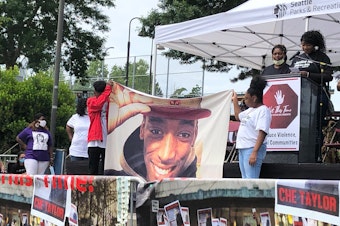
point(294, 104)
point(282, 97)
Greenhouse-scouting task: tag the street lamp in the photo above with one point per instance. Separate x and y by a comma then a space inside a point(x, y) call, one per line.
point(128, 53)
point(103, 60)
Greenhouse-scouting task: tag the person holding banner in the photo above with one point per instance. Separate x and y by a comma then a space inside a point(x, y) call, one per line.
point(279, 66)
point(255, 122)
point(163, 145)
point(97, 135)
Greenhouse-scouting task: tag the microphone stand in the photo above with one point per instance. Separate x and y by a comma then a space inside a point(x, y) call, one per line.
point(322, 69)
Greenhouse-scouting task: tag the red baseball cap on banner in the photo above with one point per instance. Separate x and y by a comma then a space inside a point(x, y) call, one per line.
point(187, 109)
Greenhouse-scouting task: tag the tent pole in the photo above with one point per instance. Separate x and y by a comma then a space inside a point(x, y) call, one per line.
point(167, 78)
point(154, 71)
point(307, 24)
point(203, 76)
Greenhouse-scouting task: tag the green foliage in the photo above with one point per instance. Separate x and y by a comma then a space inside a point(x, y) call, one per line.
point(20, 101)
point(196, 91)
point(29, 28)
point(175, 11)
point(178, 92)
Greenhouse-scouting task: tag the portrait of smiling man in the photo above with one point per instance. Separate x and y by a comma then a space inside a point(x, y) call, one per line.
point(168, 147)
point(163, 146)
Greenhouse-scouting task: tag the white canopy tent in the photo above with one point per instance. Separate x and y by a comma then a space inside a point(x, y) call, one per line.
point(246, 34)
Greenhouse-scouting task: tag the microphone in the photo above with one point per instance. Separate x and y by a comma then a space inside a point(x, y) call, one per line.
point(296, 54)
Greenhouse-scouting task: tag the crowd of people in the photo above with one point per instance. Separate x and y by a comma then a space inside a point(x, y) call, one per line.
point(88, 128)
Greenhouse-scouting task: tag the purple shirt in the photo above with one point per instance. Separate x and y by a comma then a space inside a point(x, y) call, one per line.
point(37, 142)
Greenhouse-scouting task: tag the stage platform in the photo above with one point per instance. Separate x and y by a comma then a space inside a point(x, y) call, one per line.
point(319, 171)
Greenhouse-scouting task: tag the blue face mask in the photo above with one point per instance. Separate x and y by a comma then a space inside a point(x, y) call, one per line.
point(22, 160)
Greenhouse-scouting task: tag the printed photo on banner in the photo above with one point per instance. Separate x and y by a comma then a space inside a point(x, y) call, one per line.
point(73, 218)
point(185, 215)
point(283, 219)
point(161, 217)
point(265, 219)
point(215, 222)
point(51, 197)
point(155, 138)
point(24, 219)
point(174, 214)
point(311, 199)
point(223, 221)
point(204, 217)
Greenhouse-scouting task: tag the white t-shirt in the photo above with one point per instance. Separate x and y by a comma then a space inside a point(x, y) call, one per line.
point(80, 125)
point(252, 121)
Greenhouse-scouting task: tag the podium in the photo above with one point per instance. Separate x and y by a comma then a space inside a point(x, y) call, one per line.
point(308, 110)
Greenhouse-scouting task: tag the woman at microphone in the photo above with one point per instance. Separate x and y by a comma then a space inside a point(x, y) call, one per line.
point(313, 62)
point(279, 66)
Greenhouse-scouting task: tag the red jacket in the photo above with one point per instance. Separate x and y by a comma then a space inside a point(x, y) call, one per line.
point(94, 108)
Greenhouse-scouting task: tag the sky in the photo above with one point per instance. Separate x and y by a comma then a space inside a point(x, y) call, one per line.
point(169, 74)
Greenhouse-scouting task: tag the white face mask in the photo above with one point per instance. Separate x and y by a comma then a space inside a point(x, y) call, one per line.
point(42, 123)
point(278, 62)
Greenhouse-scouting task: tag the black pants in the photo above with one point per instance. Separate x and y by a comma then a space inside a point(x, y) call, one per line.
point(96, 160)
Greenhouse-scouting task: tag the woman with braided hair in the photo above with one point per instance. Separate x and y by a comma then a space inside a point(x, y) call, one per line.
point(255, 122)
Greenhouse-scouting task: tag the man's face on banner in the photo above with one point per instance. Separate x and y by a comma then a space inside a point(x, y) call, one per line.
point(167, 145)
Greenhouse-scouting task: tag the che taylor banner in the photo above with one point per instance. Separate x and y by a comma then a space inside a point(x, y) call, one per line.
point(317, 200)
point(155, 138)
point(51, 202)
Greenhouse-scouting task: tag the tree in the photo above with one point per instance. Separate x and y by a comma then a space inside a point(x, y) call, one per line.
point(175, 11)
point(178, 92)
point(196, 91)
point(139, 76)
point(20, 101)
point(29, 28)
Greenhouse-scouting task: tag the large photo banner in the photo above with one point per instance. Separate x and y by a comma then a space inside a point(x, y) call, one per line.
point(282, 97)
point(155, 138)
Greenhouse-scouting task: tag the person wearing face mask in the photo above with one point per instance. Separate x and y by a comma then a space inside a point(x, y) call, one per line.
point(279, 65)
point(35, 139)
point(18, 167)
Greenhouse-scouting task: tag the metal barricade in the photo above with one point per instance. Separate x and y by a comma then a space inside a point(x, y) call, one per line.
point(59, 161)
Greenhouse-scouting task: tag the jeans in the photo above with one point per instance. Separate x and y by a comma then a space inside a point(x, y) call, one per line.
point(76, 158)
point(247, 170)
